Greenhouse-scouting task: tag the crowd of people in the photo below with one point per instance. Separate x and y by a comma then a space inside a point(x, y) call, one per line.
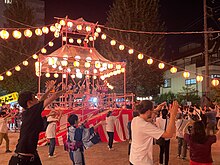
point(194, 128)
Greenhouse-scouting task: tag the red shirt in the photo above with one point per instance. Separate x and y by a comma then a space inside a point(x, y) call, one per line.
point(200, 153)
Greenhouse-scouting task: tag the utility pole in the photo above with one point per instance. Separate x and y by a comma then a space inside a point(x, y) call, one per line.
point(206, 50)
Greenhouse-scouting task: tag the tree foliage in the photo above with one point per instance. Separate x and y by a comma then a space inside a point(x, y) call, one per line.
point(215, 94)
point(168, 97)
point(13, 51)
point(139, 15)
point(187, 94)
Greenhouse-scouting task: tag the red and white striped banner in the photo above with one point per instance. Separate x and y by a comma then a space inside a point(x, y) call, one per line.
point(120, 129)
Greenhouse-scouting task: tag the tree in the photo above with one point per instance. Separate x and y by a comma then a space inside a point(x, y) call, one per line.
point(188, 93)
point(168, 97)
point(215, 94)
point(14, 51)
point(138, 15)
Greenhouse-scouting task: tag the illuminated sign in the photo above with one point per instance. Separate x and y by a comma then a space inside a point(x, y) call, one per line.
point(9, 98)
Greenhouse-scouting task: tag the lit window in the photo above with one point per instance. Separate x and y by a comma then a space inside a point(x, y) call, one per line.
point(167, 83)
point(8, 1)
point(190, 81)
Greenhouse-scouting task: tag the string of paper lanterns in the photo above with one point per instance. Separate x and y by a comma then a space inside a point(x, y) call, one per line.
point(17, 33)
point(24, 63)
point(161, 64)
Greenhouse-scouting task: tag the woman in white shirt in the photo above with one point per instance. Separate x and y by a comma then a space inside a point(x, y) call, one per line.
point(162, 123)
point(110, 122)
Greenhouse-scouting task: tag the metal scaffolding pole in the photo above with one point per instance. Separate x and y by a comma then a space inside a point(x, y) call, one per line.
point(206, 50)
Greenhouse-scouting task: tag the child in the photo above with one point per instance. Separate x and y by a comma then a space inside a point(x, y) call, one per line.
point(79, 136)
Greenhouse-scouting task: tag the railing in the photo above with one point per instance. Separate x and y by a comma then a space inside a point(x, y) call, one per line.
point(99, 100)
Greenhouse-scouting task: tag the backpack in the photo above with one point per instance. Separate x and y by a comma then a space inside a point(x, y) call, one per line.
point(77, 144)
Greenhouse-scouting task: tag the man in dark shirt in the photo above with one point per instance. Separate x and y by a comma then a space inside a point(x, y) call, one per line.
point(32, 125)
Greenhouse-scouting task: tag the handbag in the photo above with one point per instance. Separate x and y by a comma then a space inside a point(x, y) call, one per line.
point(95, 138)
point(92, 138)
point(161, 140)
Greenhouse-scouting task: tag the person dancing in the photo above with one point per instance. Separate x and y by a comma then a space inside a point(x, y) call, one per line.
point(32, 125)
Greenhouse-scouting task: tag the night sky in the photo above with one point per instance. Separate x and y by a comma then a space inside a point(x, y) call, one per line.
point(178, 15)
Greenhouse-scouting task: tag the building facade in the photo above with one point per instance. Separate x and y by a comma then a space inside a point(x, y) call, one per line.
point(192, 60)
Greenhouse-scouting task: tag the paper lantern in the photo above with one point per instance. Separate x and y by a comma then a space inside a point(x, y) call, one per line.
point(79, 75)
point(113, 42)
point(131, 51)
point(27, 33)
point(140, 56)
point(199, 78)
point(95, 71)
point(150, 61)
point(104, 65)
point(79, 41)
point(161, 65)
point(91, 38)
point(70, 24)
point(122, 70)
point(25, 63)
point(4, 34)
point(43, 50)
point(71, 40)
point(186, 74)
point(79, 27)
point(64, 75)
point(34, 56)
point(98, 30)
point(110, 66)
point(16, 34)
point(64, 63)
point(215, 82)
point(56, 34)
point(118, 66)
point(47, 75)
point(103, 36)
point(17, 68)
point(1, 78)
point(62, 22)
point(38, 32)
point(8, 73)
point(173, 69)
point(45, 30)
point(58, 26)
point(72, 76)
point(121, 47)
point(76, 63)
point(97, 64)
point(52, 28)
point(56, 75)
point(88, 28)
point(87, 64)
point(50, 43)
point(96, 34)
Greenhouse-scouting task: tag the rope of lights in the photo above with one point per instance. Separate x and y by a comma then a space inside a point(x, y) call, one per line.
point(24, 62)
point(156, 32)
point(131, 50)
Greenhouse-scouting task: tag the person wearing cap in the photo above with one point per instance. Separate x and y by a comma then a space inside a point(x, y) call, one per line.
point(52, 118)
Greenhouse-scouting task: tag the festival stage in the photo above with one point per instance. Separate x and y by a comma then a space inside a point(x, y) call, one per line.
point(92, 116)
